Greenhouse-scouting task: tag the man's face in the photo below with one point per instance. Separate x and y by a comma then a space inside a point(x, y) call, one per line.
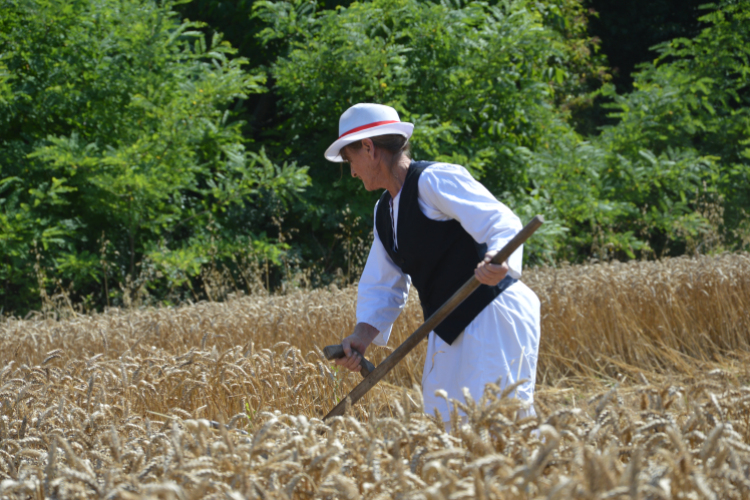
point(363, 164)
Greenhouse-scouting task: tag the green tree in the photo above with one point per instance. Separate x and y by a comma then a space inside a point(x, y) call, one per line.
point(483, 85)
point(118, 128)
point(478, 80)
point(695, 99)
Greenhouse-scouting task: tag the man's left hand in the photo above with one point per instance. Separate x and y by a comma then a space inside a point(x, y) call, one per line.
point(490, 274)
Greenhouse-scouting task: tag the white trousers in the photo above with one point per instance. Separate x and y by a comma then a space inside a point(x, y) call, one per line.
point(502, 341)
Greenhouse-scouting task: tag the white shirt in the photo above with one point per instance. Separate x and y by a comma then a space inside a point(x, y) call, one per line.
point(446, 192)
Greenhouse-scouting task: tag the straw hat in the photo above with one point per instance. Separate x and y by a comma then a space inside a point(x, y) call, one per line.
point(366, 120)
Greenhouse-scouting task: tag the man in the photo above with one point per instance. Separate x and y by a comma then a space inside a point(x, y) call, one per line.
point(434, 226)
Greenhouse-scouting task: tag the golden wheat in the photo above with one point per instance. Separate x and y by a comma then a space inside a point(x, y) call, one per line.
point(621, 318)
point(123, 404)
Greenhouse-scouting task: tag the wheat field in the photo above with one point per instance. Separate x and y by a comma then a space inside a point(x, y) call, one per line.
point(644, 392)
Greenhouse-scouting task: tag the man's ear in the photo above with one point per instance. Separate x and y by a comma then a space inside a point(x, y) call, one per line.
point(369, 147)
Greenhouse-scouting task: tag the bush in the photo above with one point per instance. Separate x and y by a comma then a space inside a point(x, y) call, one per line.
point(118, 148)
point(478, 81)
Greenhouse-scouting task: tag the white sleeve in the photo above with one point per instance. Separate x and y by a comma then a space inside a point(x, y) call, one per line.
point(451, 191)
point(382, 291)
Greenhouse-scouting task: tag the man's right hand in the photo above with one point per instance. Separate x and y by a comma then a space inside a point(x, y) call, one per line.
point(359, 341)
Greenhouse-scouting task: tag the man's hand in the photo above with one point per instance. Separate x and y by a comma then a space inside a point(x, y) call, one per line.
point(490, 274)
point(359, 340)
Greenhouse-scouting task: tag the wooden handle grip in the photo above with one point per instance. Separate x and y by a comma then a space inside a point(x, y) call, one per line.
point(337, 352)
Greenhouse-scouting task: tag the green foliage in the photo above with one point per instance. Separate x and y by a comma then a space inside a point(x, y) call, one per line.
point(478, 80)
point(118, 128)
point(126, 167)
point(695, 99)
point(671, 175)
point(474, 79)
point(614, 206)
point(482, 83)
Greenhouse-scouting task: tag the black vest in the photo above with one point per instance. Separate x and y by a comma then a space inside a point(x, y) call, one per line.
point(439, 256)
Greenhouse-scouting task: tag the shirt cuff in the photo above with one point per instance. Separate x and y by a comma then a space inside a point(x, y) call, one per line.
point(382, 338)
point(515, 261)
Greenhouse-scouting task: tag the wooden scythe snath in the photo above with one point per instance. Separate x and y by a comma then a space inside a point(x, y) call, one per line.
point(429, 325)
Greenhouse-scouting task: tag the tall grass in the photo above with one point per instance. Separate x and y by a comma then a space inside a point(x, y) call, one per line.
point(620, 318)
point(603, 320)
point(644, 395)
